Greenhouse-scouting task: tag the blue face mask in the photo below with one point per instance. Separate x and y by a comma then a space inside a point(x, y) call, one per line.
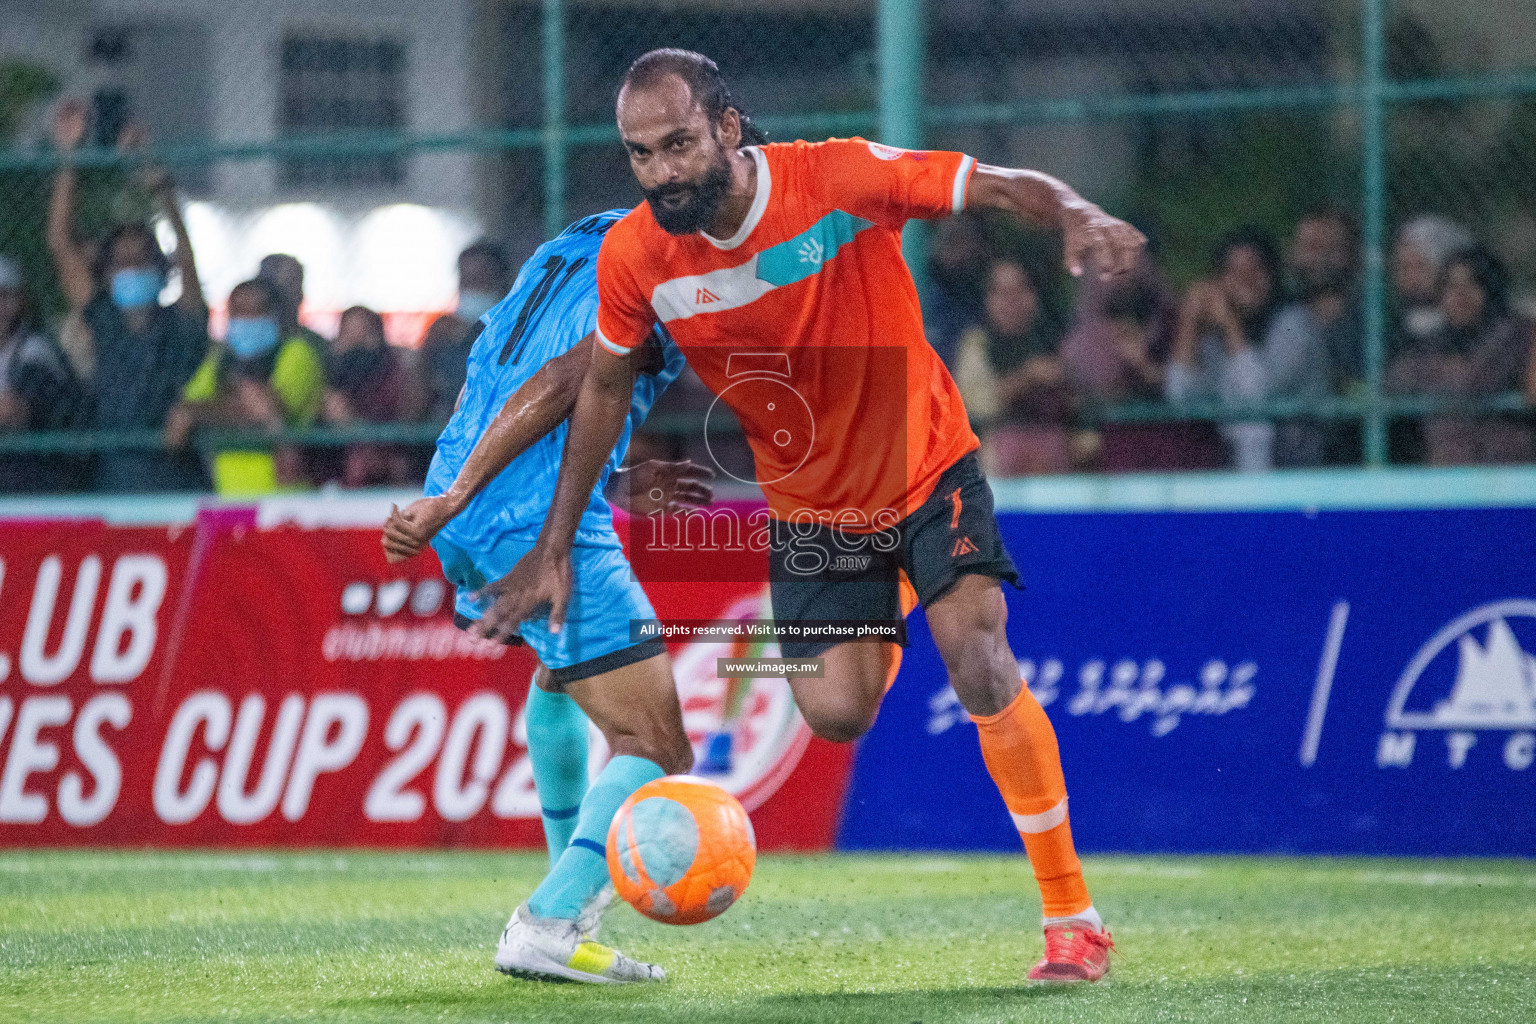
point(473, 305)
point(136, 287)
point(251, 336)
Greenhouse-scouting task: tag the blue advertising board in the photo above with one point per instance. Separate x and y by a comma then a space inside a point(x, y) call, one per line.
point(1245, 681)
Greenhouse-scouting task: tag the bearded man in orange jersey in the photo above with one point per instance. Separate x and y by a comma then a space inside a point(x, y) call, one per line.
point(747, 253)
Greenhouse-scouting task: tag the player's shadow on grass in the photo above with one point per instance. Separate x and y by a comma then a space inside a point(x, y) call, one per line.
point(887, 1007)
point(551, 1003)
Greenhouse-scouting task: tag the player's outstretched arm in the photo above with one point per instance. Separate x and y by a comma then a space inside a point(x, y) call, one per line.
point(533, 410)
point(542, 578)
point(1090, 237)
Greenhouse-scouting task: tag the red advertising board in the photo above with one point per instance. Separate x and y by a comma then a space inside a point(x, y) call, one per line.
point(225, 685)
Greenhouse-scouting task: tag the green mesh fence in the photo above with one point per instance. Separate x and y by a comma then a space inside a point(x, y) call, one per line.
point(375, 148)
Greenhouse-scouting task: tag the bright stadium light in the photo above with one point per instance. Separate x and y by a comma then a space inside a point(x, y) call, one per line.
point(405, 257)
point(212, 230)
point(313, 234)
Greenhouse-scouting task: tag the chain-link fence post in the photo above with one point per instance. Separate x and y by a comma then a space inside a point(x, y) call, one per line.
point(1374, 225)
point(554, 117)
point(899, 37)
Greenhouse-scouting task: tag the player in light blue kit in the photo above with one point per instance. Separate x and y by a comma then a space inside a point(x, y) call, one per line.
point(487, 492)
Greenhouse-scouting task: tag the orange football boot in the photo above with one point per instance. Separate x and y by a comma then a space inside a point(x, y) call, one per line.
point(1073, 952)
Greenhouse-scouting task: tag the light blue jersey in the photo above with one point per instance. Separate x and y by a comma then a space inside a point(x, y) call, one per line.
point(551, 307)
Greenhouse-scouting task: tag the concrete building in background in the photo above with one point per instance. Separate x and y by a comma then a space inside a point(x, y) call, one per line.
point(378, 229)
point(383, 229)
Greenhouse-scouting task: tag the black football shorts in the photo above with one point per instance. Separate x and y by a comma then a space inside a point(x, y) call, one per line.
point(818, 573)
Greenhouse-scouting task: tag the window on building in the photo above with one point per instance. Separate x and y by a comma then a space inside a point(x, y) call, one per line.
point(333, 83)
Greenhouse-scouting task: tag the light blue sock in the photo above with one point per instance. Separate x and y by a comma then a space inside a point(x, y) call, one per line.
point(583, 868)
point(557, 748)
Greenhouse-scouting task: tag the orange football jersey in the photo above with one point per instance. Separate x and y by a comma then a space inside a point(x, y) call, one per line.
point(806, 324)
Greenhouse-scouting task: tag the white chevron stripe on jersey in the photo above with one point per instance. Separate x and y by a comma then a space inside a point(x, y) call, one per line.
point(727, 288)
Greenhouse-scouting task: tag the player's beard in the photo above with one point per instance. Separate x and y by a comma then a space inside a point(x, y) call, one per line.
point(703, 200)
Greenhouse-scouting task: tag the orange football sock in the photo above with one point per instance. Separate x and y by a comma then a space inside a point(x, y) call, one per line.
point(1019, 746)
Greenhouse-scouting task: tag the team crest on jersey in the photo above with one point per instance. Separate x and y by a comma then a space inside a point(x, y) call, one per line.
point(704, 297)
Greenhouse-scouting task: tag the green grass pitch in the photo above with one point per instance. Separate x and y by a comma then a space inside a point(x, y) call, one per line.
point(91, 936)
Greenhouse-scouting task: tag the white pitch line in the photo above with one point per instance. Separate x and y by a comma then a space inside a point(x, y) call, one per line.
point(1324, 687)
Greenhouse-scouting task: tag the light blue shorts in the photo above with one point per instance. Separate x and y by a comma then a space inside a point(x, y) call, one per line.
point(605, 598)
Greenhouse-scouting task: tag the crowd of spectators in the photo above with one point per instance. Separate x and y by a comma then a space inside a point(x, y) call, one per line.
point(1272, 327)
point(132, 356)
point(1269, 326)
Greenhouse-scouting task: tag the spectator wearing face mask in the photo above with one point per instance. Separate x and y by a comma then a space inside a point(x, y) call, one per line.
point(366, 383)
point(1218, 348)
point(484, 277)
point(38, 391)
point(143, 352)
point(1481, 349)
point(257, 379)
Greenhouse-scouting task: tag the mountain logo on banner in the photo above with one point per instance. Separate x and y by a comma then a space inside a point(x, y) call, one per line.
point(1491, 677)
point(1495, 684)
point(1477, 674)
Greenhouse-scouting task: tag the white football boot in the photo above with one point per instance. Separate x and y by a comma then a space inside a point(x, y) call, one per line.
point(551, 949)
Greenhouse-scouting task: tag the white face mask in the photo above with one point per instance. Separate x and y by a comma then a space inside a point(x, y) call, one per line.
point(1422, 321)
point(475, 304)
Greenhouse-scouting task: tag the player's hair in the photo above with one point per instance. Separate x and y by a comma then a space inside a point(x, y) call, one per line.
point(705, 82)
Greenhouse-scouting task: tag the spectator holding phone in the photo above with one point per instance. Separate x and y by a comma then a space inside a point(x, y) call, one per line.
point(145, 351)
point(1219, 345)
